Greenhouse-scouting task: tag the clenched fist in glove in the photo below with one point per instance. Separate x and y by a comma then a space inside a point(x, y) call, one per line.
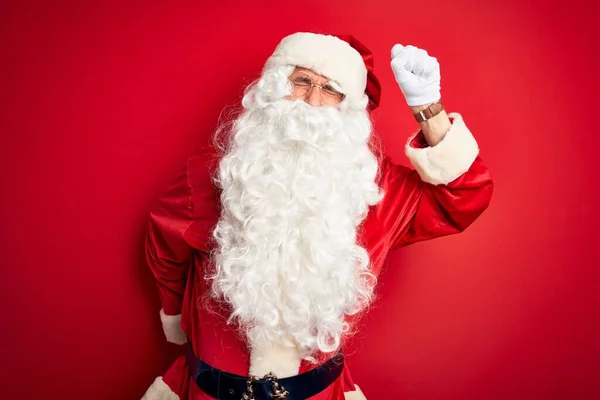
point(417, 73)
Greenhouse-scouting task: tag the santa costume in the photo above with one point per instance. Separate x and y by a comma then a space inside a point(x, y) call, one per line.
point(266, 249)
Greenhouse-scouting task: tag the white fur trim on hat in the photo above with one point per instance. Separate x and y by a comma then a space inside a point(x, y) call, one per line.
point(171, 325)
point(280, 360)
point(447, 160)
point(326, 55)
point(159, 390)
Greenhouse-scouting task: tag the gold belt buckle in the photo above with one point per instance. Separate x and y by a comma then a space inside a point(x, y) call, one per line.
point(249, 395)
point(279, 392)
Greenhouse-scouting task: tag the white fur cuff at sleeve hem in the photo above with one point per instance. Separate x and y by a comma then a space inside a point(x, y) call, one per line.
point(355, 394)
point(159, 390)
point(447, 160)
point(172, 327)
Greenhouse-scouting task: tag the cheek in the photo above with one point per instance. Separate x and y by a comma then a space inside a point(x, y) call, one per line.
point(293, 97)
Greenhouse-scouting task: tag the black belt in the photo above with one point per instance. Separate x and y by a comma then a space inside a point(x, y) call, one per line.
point(227, 386)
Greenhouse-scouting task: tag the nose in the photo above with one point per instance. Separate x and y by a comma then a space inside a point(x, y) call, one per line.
point(313, 97)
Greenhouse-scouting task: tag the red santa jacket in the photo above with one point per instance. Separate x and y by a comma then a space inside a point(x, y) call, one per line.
point(448, 189)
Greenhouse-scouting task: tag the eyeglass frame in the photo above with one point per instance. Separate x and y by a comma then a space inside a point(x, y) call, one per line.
point(321, 87)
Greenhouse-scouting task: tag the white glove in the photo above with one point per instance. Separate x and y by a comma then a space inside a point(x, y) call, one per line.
point(417, 73)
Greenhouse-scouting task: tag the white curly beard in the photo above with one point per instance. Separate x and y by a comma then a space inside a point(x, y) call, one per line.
point(296, 182)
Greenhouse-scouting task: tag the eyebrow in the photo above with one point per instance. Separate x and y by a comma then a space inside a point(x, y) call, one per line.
point(328, 83)
point(303, 78)
point(306, 75)
point(336, 86)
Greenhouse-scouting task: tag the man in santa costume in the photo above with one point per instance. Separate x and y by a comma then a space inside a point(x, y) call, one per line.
point(267, 248)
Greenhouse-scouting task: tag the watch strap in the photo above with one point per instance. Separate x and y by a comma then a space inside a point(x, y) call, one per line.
point(429, 112)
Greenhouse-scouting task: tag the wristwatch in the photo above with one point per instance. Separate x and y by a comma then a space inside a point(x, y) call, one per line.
point(430, 112)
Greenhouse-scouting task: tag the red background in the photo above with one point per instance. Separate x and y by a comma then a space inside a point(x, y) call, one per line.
point(102, 102)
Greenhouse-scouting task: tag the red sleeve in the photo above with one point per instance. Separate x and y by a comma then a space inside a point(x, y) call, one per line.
point(180, 223)
point(416, 210)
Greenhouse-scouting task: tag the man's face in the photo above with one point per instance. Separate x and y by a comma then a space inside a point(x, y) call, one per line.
point(316, 90)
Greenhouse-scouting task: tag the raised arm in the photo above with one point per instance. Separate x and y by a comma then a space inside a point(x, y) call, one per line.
point(450, 186)
point(448, 189)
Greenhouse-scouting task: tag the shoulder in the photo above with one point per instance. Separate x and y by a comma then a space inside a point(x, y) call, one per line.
point(201, 166)
point(200, 170)
point(390, 171)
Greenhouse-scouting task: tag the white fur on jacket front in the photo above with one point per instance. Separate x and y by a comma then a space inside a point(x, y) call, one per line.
point(447, 160)
point(282, 361)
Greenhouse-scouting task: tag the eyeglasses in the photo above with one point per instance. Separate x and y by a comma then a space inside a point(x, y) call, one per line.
point(330, 91)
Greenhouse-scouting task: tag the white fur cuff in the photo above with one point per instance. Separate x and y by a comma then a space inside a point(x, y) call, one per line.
point(447, 160)
point(172, 328)
point(355, 394)
point(159, 390)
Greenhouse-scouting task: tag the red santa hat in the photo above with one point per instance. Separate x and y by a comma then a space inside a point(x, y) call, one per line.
point(343, 59)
